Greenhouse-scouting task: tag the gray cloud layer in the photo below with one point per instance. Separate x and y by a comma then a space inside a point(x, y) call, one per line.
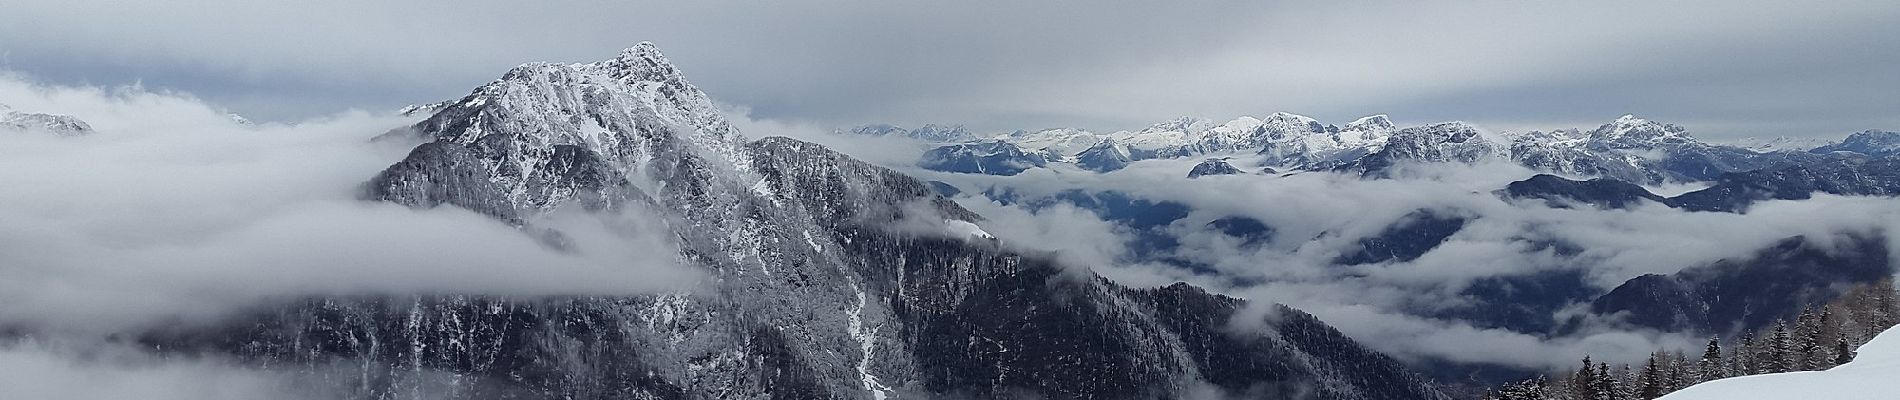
point(173, 210)
point(1722, 68)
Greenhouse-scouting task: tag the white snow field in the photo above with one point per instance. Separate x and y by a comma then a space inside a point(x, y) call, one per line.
point(1874, 374)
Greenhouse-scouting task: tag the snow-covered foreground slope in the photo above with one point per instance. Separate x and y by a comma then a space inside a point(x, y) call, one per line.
point(1871, 376)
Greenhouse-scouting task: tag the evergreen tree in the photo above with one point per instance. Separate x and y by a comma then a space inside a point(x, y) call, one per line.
point(1583, 383)
point(1808, 354)
point(1650, 383)
point(1843, 352)
point(1532, 389)
point(1711, 366)
point(1680, 372)
point(1606, 384)
point(1625, 383)
point(1885, 310)
point(1780, 350)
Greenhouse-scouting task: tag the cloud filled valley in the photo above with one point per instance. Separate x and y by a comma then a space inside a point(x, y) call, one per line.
point(1418, 308)
point(607, 230)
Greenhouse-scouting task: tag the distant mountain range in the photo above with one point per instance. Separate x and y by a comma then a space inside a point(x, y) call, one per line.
point(1629, 149)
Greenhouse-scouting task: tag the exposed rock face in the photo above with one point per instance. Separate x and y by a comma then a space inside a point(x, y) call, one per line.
point(1599, 193)
point(1213, 166)
point(826, 279)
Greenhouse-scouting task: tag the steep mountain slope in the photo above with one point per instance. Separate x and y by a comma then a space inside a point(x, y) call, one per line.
point(1732, 295)
point(828, 278)
point(1104, 156)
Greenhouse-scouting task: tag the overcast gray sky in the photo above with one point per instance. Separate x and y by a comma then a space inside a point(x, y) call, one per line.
point(1723, 68)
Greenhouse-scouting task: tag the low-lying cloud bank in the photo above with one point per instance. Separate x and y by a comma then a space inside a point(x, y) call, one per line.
point(1318, 217)
point(172, 209)
point(37, 371)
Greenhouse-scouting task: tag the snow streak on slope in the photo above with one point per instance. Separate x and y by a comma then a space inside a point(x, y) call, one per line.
point(1872, 376)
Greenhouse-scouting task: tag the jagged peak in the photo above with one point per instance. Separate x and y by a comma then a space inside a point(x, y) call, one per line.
point(1378, 121)
point(1180, 124)
point(1106, 144)
point(1633, 127)
point(941, 127)
point(1291, 117)
point(1871, 134)
point(644, 50)
point(642, 61)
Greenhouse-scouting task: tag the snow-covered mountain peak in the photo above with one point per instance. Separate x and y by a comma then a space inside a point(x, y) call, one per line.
point(1285, 122)
point(1289, 118)
point(1182, 125)
point(1372, 122)
point(1629, 129)
point(1869, 142)
point(1780, 143)
point(542, 120)
point(642, 62)
point(941, 133)
point(1874, 138)
point(57, 124)
point(933, 133)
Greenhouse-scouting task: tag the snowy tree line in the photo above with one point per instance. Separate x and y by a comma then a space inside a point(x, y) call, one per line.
point(1817, 339)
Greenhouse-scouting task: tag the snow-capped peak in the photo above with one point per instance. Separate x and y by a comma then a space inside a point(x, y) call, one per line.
point(1633, 130)
point(1287, 117)
point(57, 124)
point(1372, 122)
point(1182, 124)
point(643, 62)
point(1780, 143)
